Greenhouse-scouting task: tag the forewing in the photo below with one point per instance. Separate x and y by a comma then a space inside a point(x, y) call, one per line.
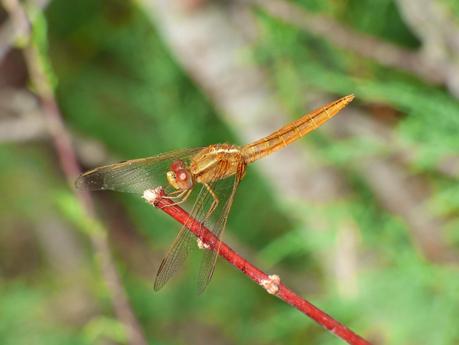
point(174, 258)
point(180, 248)
point(133, 176)
point(225, 191)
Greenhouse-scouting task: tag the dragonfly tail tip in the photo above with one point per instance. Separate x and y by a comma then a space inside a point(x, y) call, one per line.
point(349, 98)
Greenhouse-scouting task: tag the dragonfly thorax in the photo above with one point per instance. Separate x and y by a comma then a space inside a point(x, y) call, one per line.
point(216, 162)
point(179, 176)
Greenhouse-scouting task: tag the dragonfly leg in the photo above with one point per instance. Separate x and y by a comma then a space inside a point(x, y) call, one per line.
point(214, 204)
point(176, 194)
point(184, 195)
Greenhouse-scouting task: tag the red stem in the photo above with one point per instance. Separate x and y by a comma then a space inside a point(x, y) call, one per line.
point(156, 198)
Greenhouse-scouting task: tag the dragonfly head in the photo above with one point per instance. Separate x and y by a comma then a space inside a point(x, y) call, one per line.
point(179, 176)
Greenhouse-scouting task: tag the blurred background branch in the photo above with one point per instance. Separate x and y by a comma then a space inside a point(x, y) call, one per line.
point(21, 117)
point(385, 53)
point(438, 31)
point(41, 77)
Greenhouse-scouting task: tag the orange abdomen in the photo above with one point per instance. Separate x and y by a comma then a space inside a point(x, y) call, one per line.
point(293, 131)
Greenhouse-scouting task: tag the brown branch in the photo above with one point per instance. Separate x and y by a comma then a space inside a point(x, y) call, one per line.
point(69, 164)
point(20, 117)
point(16, 27)
point(385, 53)
point(271, 283)
point(438, 31)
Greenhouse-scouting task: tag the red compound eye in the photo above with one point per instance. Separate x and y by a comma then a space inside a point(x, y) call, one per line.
point(177, 165)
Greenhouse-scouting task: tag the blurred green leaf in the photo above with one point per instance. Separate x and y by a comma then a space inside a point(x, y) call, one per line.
point(102, 329)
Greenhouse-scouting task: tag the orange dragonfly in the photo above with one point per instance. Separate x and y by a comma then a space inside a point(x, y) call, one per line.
point(208, 175)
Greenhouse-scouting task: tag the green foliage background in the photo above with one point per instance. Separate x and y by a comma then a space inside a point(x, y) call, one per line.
point(119, 85)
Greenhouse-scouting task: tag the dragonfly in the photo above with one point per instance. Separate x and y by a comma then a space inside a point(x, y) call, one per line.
point(206, 177)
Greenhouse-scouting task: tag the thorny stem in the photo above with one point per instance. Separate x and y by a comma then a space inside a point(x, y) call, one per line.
point(272, 284)
point(69, 164)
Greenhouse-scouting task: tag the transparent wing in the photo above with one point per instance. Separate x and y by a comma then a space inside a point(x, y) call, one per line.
point(180, 248)
point(174, 259)
point(225, 191)
point(133, 176)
